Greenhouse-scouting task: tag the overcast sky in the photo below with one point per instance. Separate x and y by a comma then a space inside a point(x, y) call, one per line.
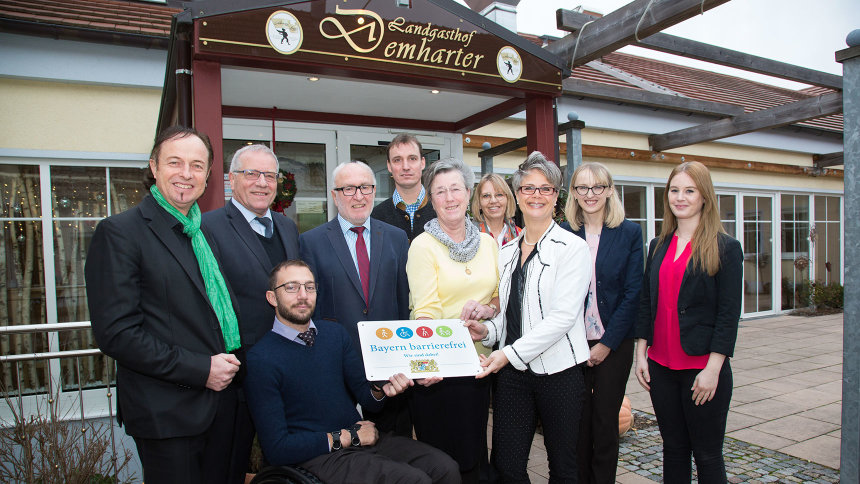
point(801, 32)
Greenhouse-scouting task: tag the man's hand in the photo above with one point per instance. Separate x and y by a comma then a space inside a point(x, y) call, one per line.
point(426, 382)
point(396, 385)
point(222, 369)
point(367, 433)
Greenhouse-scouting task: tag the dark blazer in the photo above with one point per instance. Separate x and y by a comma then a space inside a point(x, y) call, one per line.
point(150, 312)
point(389, 213)
point(246, 265)
point(619, 278)
point(339, 294)
point(709, 307)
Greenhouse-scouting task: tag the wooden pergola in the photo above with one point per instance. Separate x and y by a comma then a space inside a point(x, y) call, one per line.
point(639, 23)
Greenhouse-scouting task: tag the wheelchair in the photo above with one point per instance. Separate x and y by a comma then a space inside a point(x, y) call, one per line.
point(285, 475)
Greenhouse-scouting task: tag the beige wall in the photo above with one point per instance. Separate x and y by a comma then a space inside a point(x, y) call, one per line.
point(73, 117)
point(602, 137)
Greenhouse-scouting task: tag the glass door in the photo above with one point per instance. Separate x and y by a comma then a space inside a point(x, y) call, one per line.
point(758, 246)
point(302, 152)
point(371, 148)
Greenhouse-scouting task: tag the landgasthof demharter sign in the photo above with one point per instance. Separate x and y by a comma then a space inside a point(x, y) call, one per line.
point(423, 40)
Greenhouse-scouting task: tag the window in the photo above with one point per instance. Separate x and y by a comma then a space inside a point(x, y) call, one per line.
point(80, 197)
point(635, 206)
point(826, 239)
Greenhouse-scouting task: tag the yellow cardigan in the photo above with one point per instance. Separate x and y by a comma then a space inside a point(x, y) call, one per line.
point(439, 286)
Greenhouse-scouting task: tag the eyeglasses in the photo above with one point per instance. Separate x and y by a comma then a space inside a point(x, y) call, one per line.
point(350, 190)
point(530, 190)
point(582, 190)
point(254, 175)
point(293, 287)
point(455, 191)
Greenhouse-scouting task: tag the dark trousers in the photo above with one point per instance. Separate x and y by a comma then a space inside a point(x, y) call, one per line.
point(394, 416)
point(392, 460)
point(597, 450)
point(688, 428)
point(452, 416)
point(210, 457)
point(520, 398)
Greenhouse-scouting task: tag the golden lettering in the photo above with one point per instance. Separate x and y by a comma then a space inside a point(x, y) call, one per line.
point(347, 35)
point(467, 59)
point(389, 49)
point(396, 25)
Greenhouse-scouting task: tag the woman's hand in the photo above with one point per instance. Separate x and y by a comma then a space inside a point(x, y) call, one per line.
point(477, 329)
point(599, 352)
point(474, 311)
point(705, 385)
point(493, 363)
point(642, 373)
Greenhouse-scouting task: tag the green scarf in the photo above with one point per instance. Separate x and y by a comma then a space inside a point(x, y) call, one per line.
point(216, 288)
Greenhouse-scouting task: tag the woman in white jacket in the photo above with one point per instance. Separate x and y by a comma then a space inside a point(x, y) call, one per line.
point(544, 278)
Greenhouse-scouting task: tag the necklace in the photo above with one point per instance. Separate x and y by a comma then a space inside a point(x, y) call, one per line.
point(529, 243)
point(468, 271)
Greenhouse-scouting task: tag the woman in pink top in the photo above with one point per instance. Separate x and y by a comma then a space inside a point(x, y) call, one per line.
point(687, 326)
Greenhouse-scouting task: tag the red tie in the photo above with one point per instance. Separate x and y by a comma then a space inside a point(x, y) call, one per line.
point(363, 263)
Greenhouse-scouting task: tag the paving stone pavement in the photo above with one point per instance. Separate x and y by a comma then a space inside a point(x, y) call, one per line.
point(784, 422)
point(641, 454)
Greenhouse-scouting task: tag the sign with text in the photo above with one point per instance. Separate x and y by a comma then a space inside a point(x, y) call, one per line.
point(422, 39)
point(418, 349)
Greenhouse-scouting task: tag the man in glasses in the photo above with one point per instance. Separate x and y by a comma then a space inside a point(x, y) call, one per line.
point(409, 207)
point(360, 265)
point(304, 378)
point(253, 239)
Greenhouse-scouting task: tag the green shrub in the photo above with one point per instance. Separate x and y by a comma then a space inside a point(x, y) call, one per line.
point(827, 295)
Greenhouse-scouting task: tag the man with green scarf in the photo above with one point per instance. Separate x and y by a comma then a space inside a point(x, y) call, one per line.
point(161, 308)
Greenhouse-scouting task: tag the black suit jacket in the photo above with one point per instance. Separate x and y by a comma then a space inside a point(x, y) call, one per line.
point(619, 278)
point(709, 307)
point(150, 312)
point(339, 294)
point(246, 265)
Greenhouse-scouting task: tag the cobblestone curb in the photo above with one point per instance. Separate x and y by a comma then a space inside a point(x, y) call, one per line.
point(641, 452)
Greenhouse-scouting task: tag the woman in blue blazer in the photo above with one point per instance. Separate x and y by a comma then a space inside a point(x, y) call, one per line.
point(595, 213)
point(687, 326)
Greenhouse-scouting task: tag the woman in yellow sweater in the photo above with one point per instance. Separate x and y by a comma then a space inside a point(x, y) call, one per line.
point(453, 274)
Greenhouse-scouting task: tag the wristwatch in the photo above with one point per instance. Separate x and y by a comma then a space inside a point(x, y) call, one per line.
point(356, 441)
point(335, 440)
point(494, 308)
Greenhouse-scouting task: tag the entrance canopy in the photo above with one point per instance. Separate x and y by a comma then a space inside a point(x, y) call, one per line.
point(430, 65)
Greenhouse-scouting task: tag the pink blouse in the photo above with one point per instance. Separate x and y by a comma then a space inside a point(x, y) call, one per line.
point(593, 324)
point(666, 349)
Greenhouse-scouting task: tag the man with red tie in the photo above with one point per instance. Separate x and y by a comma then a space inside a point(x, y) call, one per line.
point(359, 264)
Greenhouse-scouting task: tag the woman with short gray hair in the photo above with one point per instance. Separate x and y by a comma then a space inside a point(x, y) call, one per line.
point(544, 277)
point(453, 274)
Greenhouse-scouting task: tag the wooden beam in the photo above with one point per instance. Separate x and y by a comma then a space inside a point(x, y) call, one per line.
point(774, 117)
point(599, 90)
point(506, 145)
point(620, 28)
point(573, 21)
point(490, 115)
point(830, 159)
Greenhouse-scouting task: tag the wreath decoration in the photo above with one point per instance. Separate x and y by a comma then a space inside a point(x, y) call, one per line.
point(286, 192)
